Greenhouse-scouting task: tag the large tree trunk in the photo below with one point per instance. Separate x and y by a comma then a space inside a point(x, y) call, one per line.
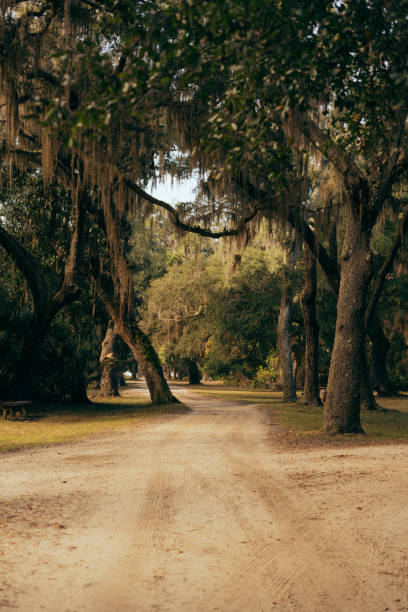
point(285, 313)
point(342, 406)
point(308, 303)
point(143, 351)
point(109, 364)
point(137, 341)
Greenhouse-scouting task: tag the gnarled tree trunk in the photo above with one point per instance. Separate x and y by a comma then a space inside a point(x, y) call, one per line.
point(137, 341)
point(143, 351)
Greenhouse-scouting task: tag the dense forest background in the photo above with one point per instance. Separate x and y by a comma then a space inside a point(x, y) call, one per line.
point(289, 268)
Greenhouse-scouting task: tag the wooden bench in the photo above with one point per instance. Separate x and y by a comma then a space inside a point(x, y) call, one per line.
point(13, 409)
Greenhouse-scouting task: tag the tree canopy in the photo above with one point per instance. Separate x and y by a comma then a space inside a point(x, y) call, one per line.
point(294, 112)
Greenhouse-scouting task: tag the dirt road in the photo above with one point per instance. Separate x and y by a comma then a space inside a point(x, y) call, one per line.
point(200, 512)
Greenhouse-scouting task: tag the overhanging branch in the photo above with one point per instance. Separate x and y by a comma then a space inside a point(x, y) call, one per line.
point(321, 141)
point(195, 229)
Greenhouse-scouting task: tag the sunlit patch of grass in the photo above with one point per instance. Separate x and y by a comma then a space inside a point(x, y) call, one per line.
point(389, 423)
point(234, 394)
point(55, 424)
point(300, 422)
point(392, 422)
point(300, 418)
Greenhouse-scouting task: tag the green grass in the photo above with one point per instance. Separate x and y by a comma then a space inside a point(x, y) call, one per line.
point(389, 423)
point(56, 424)
point(305, 422)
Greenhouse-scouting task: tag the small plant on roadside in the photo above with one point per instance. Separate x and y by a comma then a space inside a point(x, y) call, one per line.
point(266, 376)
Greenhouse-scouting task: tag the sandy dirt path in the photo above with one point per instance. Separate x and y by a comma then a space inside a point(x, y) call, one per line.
point(201, 512)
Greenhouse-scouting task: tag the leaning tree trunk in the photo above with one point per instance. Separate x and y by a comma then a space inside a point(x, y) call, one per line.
point(342, 405)
point(116, 292)
point(311, 394)
point(145, 354)
point(109, 364)
point(137, 341)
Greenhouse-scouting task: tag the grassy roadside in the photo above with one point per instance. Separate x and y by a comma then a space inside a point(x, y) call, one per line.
point(298, 424)
point(303, 423)
point(55, 424)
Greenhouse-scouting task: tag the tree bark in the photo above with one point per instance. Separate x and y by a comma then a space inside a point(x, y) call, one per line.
point(342, 405)
point(143, 351)
point(109, 364)
point(311, 394)
point(137, 341)
point(285, 312)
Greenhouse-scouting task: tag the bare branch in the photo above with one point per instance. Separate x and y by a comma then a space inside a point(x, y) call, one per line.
point(195, 229)
point(28, 266)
